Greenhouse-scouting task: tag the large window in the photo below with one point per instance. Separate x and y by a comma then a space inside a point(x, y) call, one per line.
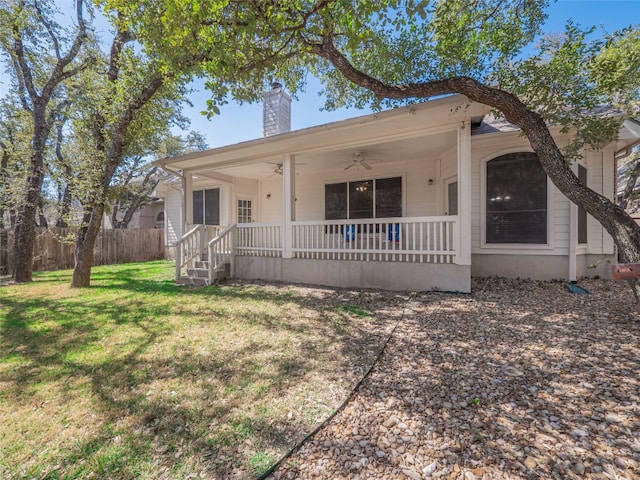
point(516, 201)
point(206, 206)
point(379, 198)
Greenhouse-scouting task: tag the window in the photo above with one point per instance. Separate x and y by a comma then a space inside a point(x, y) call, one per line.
point(206, 206)
point(378, 198)
point(244, 211)
point(516, 201)
point(582, 213)
point(160, 217)
point(452, 198)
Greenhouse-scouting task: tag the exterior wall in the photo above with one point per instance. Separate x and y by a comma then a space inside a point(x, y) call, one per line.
point(590, 266)
point(540, 267)
point(537, 267)
point(146, 216)
point(173, 217)
point(340, 273)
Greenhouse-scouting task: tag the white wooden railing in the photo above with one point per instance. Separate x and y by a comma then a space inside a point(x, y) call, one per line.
point(189, 248)
point(259, 239)
point(400, 239)
point(220, 250)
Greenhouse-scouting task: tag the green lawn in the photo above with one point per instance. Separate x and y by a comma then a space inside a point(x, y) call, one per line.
point(136, 377)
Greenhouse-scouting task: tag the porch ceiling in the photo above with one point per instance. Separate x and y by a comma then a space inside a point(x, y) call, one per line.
point(424, 147)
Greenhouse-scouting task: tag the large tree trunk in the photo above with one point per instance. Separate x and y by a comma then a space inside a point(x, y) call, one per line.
point(85, 243)
point(25, 226)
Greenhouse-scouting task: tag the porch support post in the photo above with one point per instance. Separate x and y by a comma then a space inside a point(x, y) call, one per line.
point(463, 238)
point(187, 187)
point(289, 206)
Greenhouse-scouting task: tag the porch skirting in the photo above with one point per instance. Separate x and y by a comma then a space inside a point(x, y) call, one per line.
point(539, 267)
point(356, 274)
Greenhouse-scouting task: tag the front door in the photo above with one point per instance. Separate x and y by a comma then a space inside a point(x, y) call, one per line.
point(245, 210)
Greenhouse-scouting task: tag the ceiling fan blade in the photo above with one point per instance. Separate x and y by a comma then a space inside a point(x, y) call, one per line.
point(349, 166)
point(366, 165)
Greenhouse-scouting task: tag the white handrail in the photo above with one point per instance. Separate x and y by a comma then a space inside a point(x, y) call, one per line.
point(221, 248)
point(188, 248)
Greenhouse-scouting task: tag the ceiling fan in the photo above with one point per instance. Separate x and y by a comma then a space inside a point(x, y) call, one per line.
point(278, 170)
point(359, 160)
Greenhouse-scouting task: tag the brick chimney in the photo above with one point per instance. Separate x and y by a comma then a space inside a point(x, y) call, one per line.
point(276, 112)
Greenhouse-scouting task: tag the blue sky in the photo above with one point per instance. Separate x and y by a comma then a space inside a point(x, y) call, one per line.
point(239, 123)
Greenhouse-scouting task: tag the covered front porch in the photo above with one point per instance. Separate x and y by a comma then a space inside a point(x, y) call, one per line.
point(381, 201)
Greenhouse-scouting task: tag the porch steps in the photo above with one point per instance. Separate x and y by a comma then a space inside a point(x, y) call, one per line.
point(199, 275)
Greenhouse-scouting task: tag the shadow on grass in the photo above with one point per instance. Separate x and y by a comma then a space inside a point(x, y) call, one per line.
point(177, 409)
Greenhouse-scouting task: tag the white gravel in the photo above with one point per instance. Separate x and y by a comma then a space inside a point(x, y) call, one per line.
point(519, 380)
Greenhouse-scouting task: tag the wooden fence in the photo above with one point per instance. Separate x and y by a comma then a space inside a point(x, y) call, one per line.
point(54, 247)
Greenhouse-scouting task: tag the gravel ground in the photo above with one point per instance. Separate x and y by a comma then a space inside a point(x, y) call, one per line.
point(521, 379)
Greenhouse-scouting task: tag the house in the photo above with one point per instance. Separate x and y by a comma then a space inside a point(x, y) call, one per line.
point(420, 197)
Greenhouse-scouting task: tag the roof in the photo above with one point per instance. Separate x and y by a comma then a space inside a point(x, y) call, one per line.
point(407, 121)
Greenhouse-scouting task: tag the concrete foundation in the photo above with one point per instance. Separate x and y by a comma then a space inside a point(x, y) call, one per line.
point(595, 266)
point(344, 273)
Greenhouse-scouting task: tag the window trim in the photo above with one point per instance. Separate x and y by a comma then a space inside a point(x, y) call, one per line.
point(516, 248)
point(220, 202)
point(448, 181)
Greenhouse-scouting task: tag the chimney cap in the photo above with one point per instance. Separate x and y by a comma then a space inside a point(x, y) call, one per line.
point(276, 85)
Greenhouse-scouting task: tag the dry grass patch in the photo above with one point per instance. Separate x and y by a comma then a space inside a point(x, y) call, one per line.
point(138, 378)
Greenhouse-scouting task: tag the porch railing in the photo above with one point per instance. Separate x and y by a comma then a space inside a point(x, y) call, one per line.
point(259, 239)
point(400, 239)
point(220, 250)
point(193, 244)
point(189, 248)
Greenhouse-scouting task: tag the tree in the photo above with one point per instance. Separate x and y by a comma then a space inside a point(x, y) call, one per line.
point(138, 177)
point(42, 57)
point(130, 98)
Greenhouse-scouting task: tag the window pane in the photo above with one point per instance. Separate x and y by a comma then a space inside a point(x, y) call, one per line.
point(361, 199)
point(516, 200)
point(212, 206)
point(389, 197)
point(452, 198)
point(198, 207)
point(335, 201)
point(582, 213)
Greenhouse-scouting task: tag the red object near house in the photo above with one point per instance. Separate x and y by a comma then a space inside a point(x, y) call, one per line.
point(625, 271)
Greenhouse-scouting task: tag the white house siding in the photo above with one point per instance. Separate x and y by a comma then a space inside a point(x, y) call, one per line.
point(173, 216)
